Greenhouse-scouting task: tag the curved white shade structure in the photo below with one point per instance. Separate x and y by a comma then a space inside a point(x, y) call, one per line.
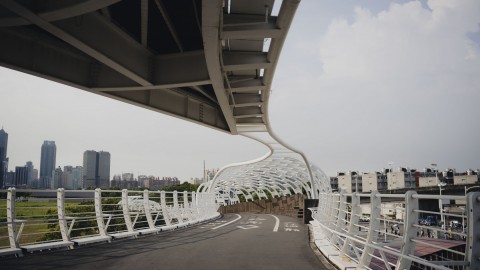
point(282, 171)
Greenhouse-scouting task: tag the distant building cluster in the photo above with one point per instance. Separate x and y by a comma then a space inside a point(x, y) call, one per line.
point(95, 172)
point(127, 181)
point(402, 178)
point(208, 175)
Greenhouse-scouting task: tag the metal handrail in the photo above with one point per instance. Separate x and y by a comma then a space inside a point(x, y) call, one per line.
point(52, 222)
point(360, 246)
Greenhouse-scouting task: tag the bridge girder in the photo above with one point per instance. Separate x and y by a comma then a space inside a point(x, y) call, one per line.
point(209, 62)
point(202, 61)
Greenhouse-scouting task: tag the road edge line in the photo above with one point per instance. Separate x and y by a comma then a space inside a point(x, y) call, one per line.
point(239, 217)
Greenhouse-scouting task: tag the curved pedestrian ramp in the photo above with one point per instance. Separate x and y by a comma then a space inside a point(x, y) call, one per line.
point(211, 62)
point(235, 241)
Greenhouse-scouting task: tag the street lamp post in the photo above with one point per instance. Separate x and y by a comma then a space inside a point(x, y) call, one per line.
point(440, 203)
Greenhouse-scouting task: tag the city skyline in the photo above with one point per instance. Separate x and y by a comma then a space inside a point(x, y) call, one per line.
point(88, 161)
point(371, 83)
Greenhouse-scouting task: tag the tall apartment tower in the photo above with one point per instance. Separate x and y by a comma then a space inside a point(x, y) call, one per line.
point(29, 166)
point(89, 169)
point(96, 169)
point(47, 164)
point(103, 159)
point(3, 157)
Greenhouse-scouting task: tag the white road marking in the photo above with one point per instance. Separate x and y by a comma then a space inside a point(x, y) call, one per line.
point(277, 223)
point(247, 227)
point(225, 224)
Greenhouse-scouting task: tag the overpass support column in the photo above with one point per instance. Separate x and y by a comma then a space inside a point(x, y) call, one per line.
point(411, 217)
point(473, 230)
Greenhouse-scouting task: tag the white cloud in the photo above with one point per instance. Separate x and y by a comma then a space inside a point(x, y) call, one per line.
point(394, 85)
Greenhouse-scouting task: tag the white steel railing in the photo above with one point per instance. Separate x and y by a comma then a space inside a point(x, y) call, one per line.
point(33, 220)
point(396, 234)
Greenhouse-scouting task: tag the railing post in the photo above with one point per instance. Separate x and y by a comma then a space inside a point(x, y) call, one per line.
point(373, 228)
point(472, 253)
point(194, 199)
point(146, 207)
point(62, 220)
point(166, 215)
point(102, 230)
point(186, 206)
point(176, 208)
point(330, 216)
point(338, 208)
point(185, 199)
point(11, 216)
point(322, 206)
point(411, 217)
point(354, 220)
point(126, 210)
point(194, 205)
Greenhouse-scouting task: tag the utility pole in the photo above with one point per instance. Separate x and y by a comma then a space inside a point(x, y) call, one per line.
point(204, 172)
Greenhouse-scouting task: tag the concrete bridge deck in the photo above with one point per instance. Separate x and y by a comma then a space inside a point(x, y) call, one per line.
point(236, 241)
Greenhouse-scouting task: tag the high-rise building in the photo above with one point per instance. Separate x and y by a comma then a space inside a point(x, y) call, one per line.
point(47, 164)
point(30, 178)
point(35, 178)
point(127, 176)
point(67, 177)
point(77, 175)
point(103, 169)
point(57, 176)
point(96, 169)
point(3, 157)
point(71, 177)
point(89, 168)
point(10, 179)
point(21, 175)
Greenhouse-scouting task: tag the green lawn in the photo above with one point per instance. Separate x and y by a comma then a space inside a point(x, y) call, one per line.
point(36, 215)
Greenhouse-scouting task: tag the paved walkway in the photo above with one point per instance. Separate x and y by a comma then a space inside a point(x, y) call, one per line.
point(237, 241)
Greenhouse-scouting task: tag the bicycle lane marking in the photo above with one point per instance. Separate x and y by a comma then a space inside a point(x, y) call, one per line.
point(277, 223)
point(238, 217)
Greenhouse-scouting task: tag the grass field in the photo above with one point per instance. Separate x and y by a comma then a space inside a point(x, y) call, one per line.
point(37, 216)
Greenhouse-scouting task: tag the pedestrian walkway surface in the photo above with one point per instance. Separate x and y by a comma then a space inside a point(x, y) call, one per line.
point(236, 241)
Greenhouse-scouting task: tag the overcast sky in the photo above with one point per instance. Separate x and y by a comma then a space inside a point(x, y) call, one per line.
point(359, 84)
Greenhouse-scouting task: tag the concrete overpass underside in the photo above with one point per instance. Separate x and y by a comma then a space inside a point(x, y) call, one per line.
point(208, 62)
